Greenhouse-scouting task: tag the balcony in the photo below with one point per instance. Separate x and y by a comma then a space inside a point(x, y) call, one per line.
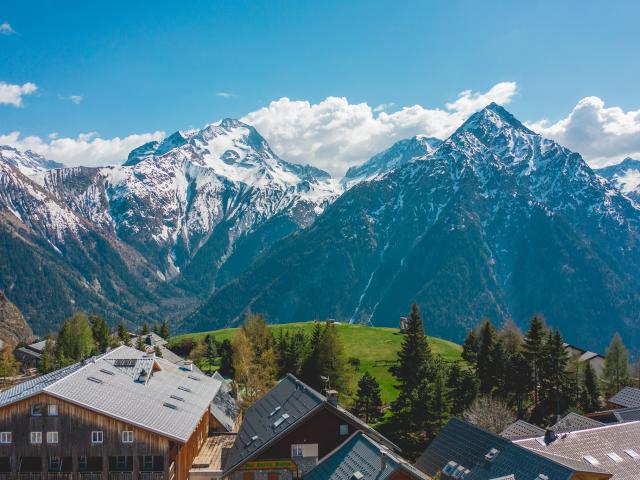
point(90, 476)
point(30, 476)
point(59, 476)
point(120, 475)
point(151, 476)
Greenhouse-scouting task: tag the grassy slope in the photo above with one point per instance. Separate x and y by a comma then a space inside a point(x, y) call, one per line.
point(376, 347)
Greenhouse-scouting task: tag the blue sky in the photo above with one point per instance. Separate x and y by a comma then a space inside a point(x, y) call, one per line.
point(123, 68)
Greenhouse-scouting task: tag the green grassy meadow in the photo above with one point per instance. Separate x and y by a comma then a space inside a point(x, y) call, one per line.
point(375, 347)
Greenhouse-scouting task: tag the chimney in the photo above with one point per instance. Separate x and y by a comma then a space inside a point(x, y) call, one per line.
point(188, 365)
point(383, 460)
point(332, 397)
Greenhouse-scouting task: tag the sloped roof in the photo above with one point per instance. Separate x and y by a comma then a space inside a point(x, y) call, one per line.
point(522, 429)
point(599, 442)
point(131, 386)
point(574, 421)
point(467, 445)
point(361, 454)
point(225, 406)
point(35, 385)
point(297, 400)
point(627, 397)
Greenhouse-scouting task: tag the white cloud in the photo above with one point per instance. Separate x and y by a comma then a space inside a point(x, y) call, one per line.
point(384, 106)
point(335, 134)
point(87, 149)
point(225, 94)
point(77, 99)
point(5, 29)
point(12, 94)
point(602, 135)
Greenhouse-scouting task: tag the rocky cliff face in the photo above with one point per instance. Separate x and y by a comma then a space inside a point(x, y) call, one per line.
point(13, 326)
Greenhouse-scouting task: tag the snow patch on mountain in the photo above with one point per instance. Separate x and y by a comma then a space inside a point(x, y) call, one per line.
point(27, 162)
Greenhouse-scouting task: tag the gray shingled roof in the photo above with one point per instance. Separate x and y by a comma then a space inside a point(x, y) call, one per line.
point(292, 397)
point(224, 406)
point(361, 454)
point(598, 442)
point(112, 385)
point(522, 429)
point(467, 445)
point(627, 397)
point(574, 421)
point(35, 385)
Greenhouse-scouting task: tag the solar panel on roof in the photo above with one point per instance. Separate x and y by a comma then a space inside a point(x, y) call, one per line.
point(124, 362)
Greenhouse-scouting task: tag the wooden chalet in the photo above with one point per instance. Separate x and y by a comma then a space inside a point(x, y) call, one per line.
point(125, 415)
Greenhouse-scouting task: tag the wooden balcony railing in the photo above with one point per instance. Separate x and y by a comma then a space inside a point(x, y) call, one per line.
point(151, 476)
point(90, 476)
point(30, 476)
point(120, 475)
point(59, 476)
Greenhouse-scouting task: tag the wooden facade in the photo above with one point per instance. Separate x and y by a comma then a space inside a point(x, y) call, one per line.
point(148, 456)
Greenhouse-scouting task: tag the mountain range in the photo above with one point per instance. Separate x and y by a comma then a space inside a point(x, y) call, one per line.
point(493, 221)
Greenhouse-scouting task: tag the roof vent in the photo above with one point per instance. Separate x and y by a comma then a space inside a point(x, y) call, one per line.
point(95, 380)
point(108, 372)
point(550, 436)
point(493, 453)
point(542, 476)
point(170, 405)
point(357, 475)
point(184, 389)
point(460, 472)
point(251, 440)
point(193, 377)
point(176, 397)
point(143, 376)
point(188, 366)
point(332, 397)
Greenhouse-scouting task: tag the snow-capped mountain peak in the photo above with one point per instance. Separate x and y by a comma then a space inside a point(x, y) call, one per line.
point(399, 154)
point(28, 162)
point(625, 175)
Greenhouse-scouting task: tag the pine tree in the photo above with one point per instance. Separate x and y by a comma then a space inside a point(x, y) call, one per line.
point(553, 372)
point(368, 404)
point(156, 327)
point(100, 332)
point(123, 335)
point(414, 365)
point(9, 366)
point(157, 351)
point(140, 345)
point(488, 338)
point(519, 381)
point(532, 349)
point(75, 340)
point(470, 348)
point(311, 366)
point(616, 366)
point(210, 350)
point(48, 359)
point(226, 359)
point(164, 330)
point(590, 397)
point(145, 328)
point(463, 385)
point(438, 406)
point(333, 364)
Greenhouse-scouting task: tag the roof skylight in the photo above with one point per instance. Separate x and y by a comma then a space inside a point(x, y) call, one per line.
point(170, 405)
point(95, 380)
point(184, 389)
point(108, 372)
point(615, 457)
point(591, 459)
point(632, 453)
point(280, 420)
point(275, 410)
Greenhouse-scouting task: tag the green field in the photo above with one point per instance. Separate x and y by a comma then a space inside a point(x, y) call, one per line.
point(376, 347)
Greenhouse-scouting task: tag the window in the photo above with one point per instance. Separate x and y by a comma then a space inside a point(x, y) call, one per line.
point(147, 463)
point(52, 410)
point(54, 464)
point(632, 453)
point(127, 436)
point(36, 410)
point(248, 476)
point(52, 437)
point(615, 457)
point(344, 429)
point(36, 437)
point(97, 436)
point(121, 462)
point(5, 437)
point(296, 451)
point(591, 459)
point(82, 463)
